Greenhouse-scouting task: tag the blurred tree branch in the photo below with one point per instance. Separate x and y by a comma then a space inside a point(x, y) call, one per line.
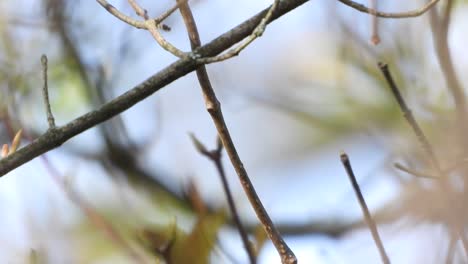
point(119, 152)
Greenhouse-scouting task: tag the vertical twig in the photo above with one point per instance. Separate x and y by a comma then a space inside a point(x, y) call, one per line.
point(215, 157)
point(367, 216)
point(214, 109)
point(444, 185)
point(45, 93)
point(440, 29)
point(375, 39)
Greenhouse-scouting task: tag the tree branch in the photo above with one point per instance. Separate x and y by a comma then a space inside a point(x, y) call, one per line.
point(55, 138)
point(414, 13)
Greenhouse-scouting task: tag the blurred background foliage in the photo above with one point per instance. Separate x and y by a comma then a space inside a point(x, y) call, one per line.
point(309, 87)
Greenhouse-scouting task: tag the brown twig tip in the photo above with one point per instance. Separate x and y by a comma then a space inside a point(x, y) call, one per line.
point(396, 92)
point(344, 157)
point(375, 40)
point(382, 65)
point(44, 60)
point(198, 145)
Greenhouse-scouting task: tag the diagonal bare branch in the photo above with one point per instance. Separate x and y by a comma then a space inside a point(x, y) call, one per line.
point(55, 138)
point(365, 210)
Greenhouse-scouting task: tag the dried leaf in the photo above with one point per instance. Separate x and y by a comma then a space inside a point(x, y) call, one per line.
point(195, 198)
point(260, 238)
point(197, 246)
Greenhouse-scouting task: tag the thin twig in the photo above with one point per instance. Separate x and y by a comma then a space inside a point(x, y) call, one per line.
point(444, 185)
point(138, 9)
point(445, 171)
point(151, 26)
point(257, 32)
point(365, 210)
point(410, 118)
point(414, 13)
point(45, 93)
point(215, 157)
point(413, 172)
point(375, 39)
point(153, 29)
point(131, 21)
point(214, 108)
point(115, 12)
point(168, 12)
